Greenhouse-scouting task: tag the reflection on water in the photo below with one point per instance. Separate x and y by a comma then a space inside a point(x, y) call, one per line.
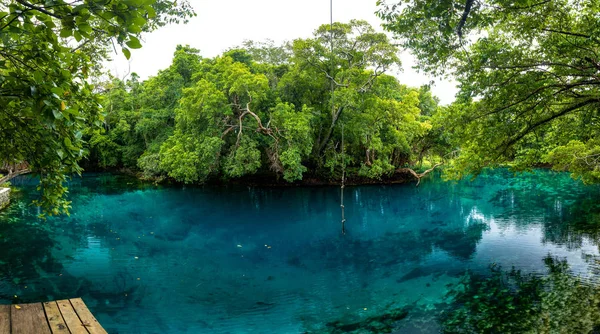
point(253, 260)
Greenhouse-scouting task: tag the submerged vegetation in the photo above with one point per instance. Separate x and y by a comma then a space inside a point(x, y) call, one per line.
point(512, 302)
point(377, 324)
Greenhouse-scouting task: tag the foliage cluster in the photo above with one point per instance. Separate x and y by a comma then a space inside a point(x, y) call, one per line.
point(528, 74)
point(278, 110)
point(50, 51)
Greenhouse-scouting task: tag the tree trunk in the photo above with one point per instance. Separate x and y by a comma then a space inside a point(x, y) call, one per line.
point(415, 174)
point(327, 137)
point(12, 175)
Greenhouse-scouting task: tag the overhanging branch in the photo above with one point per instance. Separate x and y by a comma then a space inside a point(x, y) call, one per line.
point(535, 125)
point(418, 176)
point(39, 9)
point(463, 19)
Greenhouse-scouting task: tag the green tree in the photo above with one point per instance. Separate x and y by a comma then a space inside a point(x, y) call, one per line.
point(140, 116)
point(349, 56)
point(49, 50)
point(266, 109)
point(383, 127)
point(226, 108)
point(267, 52)
point(531, 66)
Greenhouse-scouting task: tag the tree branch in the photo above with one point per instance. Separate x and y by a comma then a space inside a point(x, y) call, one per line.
point(417, 175)
point(463, 19)
point(567, 33)
point(533, 126)
point(39, 9)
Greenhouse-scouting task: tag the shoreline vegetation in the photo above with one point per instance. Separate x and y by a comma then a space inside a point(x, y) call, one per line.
point(401, 176)
point(262, 113)
point(331, 104)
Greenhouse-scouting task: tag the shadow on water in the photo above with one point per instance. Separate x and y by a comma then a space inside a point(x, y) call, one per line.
point(31, 257)
point(388, 251)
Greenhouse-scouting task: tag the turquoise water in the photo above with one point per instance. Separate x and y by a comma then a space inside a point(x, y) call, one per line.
point(150, 259)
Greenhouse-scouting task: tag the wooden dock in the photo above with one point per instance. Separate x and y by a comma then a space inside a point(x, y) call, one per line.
point(63, 316)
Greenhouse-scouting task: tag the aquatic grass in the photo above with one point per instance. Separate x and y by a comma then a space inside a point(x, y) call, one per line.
point(509, 301)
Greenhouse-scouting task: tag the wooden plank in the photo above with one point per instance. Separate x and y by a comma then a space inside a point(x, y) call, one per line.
point(87, 318)
point(55, 319)
point(4, 319)
point(71, 318)
point(28, 319)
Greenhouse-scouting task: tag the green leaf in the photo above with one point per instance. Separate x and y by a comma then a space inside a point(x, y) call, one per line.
point(66, 32)
point(57, 90)
point(151, 12)
point(50, 24)
point(134, 42)
point(70, 145)
point(126, 52)
point(38, 77)
point(57, 114)
point(139, 21)
point(85, 28)
point(134, 29)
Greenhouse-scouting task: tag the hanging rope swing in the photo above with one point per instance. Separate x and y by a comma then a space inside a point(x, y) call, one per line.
point(343, 183)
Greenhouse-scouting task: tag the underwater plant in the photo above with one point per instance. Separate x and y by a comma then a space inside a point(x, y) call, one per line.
point(511, 302)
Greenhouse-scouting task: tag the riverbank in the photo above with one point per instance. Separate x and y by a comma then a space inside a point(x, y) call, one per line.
point(402, 175)
point(270, 180)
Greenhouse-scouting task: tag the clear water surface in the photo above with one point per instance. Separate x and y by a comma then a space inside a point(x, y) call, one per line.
point(150, 259)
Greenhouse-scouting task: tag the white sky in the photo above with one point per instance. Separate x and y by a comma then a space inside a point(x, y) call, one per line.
point(224, 24)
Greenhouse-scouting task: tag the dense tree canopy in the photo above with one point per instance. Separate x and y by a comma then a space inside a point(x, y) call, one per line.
point(267, 109)
point(49, 53)
point(527, 71)
point(528, 74)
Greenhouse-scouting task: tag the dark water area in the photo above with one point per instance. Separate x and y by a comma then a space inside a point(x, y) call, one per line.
point(149, 259)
